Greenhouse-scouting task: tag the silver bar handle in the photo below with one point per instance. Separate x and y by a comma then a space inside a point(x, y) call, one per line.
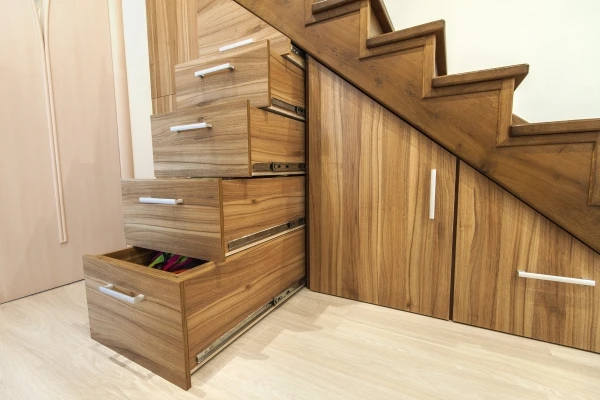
point(236, 45)
point(552, 278)
point(109, 291)
point(432, 190)
point(212, 70)
point(190, 127)
point(154, 200)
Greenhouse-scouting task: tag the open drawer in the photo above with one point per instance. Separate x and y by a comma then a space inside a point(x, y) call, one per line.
point(227, 140)
point(251, 73)
point(211, 218)
point(173, 323)
point(227, 25)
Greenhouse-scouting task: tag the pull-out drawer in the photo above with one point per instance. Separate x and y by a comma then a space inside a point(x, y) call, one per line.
point(226, 25)
point(228, 140)
point(172, 323)
point(210, 218)
point(250, 72)
point(517, 272)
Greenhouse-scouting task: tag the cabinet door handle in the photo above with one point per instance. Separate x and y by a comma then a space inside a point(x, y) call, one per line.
point(153, 200)
point(190, 127)
point(212, 70)
point(552, 278)
point(236, 45)
point(432, 189)
point(109, 291)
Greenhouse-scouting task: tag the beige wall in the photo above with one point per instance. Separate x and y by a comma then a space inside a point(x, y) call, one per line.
point(556, 38)
point(138, 74)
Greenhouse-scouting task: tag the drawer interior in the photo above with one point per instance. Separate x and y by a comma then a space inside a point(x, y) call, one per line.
point(143, 258)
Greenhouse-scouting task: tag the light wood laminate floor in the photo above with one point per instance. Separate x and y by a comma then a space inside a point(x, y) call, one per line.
point(313, 347)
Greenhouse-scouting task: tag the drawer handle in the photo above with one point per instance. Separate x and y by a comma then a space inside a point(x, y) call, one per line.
point(552, 278)
point(109, 291)
point(212, 70)
point(432, 190)
point(153, 200)
point(190, 127)
point(236, 45)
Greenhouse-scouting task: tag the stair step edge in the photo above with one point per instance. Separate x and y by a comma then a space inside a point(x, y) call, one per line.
point(519, 72)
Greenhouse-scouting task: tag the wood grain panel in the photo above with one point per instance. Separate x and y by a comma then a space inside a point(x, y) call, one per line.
point(164, 104)
point(220, 151)
point(275, 138)
point(149, 332)
point(371, 238)
point(497, 235)
point(192, 229)
point(172, 34)
point(249, 80)
point(224, 22)
point(225, 294)
point(253, 205)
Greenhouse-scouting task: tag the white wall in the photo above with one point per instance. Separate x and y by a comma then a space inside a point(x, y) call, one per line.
point(138, 82)
point(557, 38)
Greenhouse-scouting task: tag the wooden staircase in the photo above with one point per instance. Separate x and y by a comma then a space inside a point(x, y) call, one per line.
point(553, 166)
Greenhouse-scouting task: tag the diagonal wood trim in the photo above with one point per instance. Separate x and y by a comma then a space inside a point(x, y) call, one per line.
point(382, 15)
point(52, 131)
point(437, 28)
point(518, 72)
point(327, 5)
point(516, 120)
point(551, 128)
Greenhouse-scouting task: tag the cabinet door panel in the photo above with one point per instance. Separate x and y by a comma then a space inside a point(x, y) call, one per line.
point(498, 236)
point(371, 236)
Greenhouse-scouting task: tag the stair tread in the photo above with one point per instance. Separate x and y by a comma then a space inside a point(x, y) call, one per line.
point(519, 72)
point(556, 127)
point(327, 5)
point(437, 28)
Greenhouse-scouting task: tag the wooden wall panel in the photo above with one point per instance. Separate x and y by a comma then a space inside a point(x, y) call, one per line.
point(497, 235)
point(172, 39)
point(62, 73)
point(369, 174)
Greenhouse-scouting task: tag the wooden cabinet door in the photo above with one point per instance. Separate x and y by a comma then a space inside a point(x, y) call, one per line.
point(372, 237)
point(498, 236)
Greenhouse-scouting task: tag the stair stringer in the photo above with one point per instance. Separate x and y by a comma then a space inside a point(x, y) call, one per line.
point(470, 121)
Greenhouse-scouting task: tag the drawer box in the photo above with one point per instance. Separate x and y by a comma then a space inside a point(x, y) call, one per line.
point(517, 272)
point(250, 72)
point(228, 140)
point(163, 321)
point(210, 218)
point(226, 24)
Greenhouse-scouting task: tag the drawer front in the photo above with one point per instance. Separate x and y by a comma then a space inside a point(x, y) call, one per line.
point(223, 295)
point(225, 23)
point(183, 147)
point(149, 331)
point(517, 272)
point(247, 77)
point(190, 225)
point(252, 206)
